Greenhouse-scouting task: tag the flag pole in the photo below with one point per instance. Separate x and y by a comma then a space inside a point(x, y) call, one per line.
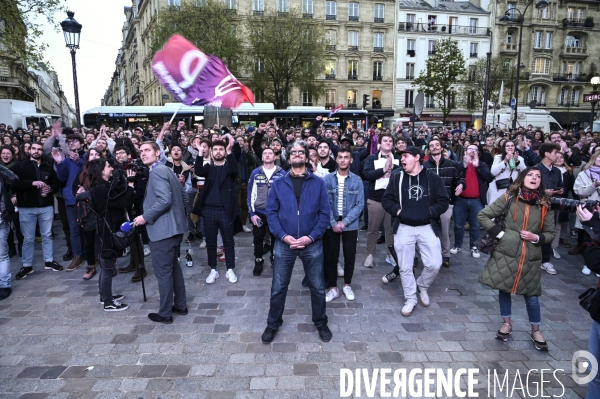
point(176, 111)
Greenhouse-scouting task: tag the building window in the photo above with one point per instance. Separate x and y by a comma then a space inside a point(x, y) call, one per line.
point(410, 47)
point(378, 70)
point(564, 95)
point(545, 13)
point(537, 40)
point(473, 50)
point(511, 10)
point(258, 7)
point(473, 26)
point(331, 39)
point(409, 98)
point(330, 69)
point(549, 39)
point(574, 97)
point(541, 66)
point(410, 22)
point(379, 13)
point(352, 70)
point(353, 40)
point(508, 39)
point(573, 41)
point(410, 70)
point(429, 101)
point(174, 3)
point(258, 65)
point(352, 94)
point(307, 7)
point(431, 47)
point(472, 72)
point(330, 98)
point(537, 94)
point(283, 5)
point(353, 9)
point(306, 99)
point(378, 42)
point(231, 4)
point(330, 10)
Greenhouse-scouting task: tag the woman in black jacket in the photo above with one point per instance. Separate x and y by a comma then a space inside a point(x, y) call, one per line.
point(110, 197)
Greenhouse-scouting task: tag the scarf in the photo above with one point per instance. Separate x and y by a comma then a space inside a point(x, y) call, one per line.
point(593, 172)
point(532, 197)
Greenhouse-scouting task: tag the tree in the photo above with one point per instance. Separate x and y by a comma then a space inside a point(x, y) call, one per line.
point(473, 81)
point(208, 25)
point(21, 26)
point(443, 69)
point(286, 51)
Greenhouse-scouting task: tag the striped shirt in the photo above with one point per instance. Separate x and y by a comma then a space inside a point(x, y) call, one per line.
point(340, 201)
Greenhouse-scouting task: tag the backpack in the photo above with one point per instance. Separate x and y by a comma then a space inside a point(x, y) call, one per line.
point(86, 216)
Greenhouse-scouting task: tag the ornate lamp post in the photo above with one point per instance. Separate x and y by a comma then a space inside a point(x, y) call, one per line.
point(595, 82)
point(72, 30)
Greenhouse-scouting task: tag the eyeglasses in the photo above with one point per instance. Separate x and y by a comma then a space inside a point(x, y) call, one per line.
point(297, 152)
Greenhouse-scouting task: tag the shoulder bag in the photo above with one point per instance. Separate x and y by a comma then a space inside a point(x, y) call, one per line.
point(487, 243)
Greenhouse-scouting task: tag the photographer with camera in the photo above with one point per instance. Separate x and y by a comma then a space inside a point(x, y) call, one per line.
point(111, 195)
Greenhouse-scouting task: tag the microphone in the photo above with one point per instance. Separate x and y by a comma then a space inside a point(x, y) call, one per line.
point(126, 227)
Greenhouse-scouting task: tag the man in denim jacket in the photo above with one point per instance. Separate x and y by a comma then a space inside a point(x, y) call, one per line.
point(346, 200)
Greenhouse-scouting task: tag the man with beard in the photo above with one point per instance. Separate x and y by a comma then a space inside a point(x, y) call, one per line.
point(416, 199)
point(326, 164)
point(298, 215)
point(277, 147)
point(34, 196)
point(217, 204)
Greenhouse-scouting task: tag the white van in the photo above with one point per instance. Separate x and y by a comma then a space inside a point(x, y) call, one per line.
point(538, 118)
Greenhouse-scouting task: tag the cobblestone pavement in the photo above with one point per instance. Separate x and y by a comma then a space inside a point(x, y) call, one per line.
point(53, 330)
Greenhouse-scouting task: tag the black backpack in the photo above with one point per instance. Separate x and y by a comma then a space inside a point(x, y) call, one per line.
point(87, 218)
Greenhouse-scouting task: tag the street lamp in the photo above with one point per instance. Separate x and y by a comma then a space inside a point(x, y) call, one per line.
point(508, 17)
point(595, 82)
point(72, 30)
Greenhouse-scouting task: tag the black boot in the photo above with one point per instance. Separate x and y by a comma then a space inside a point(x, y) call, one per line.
point(258, 266)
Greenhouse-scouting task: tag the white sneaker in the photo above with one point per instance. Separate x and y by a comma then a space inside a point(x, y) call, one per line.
point(455, 250)
point(548, 267)
point(348, 292)
point(331, 295)
point(586, 271)
point(147, 250)
point(231, 276)
point(424, 297)
point(340, 270)
point(555, 254)
point(212, 277)
point(390, 259)
point(408, 307)
point(203, 244)
point(475, 253)
point(369, 261)
point(246, 229)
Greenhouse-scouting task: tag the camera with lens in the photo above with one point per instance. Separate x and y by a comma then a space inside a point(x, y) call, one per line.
point(570, 205)
point(134, 164)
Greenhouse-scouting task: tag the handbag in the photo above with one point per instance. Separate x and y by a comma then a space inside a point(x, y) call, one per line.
point(503, 183)
point(590, 301)
point(487, 243)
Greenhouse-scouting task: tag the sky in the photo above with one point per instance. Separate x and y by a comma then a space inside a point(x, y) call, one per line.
point(100, 41)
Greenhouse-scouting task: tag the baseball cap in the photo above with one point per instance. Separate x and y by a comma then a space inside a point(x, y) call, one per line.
point(413, 151)
point(348, 139)
point(250, 129)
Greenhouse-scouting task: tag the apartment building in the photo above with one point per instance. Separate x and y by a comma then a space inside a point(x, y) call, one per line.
point(421, 23)
point(559, 55)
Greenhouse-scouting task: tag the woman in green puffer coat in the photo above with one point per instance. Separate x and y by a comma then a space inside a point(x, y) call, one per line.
point(514, 265)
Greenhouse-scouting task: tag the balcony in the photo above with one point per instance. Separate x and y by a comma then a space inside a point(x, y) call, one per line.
point(352, 76)
point(378, 20)
point(567, 103)
point(431, 52)
point(7, 81)
point(378, 49)
point(352, 48)
point(429, 105)
point(330, 17)
point(330, 76)
point(570, 77)
point(257, 13)
point(330, 47)
point(509, 47)
point(307, 103)
point(578, 23)
point(472, 55)
point(307, 15)
point(410, 26)
point(410, 77)
point(283, 13)
point(353, 19)
point(377, 77)
point(351, 106)
point(574, 52)
point(410, 53)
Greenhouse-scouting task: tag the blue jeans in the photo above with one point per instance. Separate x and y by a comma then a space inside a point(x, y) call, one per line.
point(594, 348)
point(531, 303)
point(312, 260)
point(466, 210)
point(29, 218)
point(72, 216)
point(4, 259)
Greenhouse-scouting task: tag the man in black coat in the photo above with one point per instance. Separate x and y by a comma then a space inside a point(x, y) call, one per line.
point(218, 204)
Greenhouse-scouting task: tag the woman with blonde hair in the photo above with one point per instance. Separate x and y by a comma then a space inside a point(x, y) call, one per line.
point(514, 267)
point(587, 187)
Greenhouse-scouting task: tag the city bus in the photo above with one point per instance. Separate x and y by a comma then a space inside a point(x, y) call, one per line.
point(246, 115)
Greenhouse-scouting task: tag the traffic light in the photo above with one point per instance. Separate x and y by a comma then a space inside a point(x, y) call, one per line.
point(365, 100)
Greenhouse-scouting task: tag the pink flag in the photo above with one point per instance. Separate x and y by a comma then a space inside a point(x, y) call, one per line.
point(335, 109)
point(195, 78)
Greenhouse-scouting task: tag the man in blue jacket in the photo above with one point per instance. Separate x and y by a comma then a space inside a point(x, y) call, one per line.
point(298, 215)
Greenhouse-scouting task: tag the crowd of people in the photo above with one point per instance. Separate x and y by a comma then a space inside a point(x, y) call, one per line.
point(301, 192)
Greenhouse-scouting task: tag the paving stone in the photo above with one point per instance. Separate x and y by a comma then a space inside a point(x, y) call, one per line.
point(177, 371)
point(151, 371)
point(32, 372)
point(53, 372)
point(306, 369)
